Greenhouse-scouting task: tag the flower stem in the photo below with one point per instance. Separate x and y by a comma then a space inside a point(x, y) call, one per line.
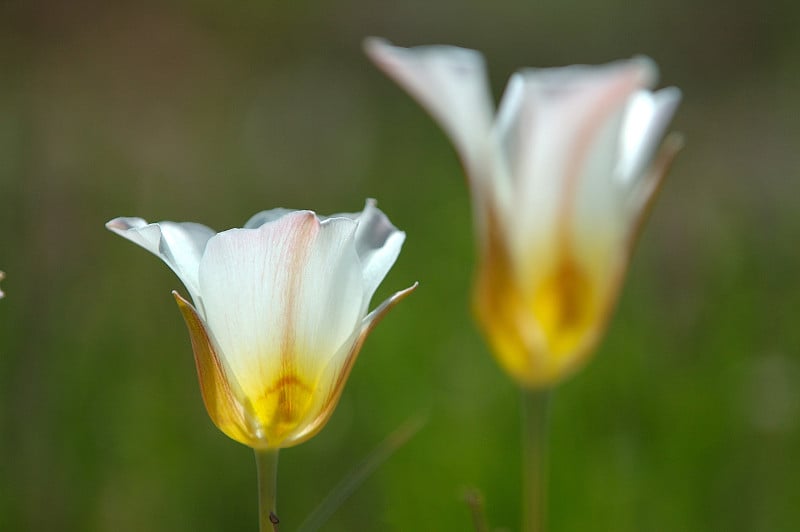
point(535, 413)
point(267, 469)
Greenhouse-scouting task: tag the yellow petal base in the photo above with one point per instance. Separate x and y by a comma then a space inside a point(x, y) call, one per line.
point(285, 410)
point(271, 418)
point(541, 336)
point(282, 407)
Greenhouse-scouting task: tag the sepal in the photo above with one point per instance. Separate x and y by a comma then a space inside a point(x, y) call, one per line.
point(215, 386)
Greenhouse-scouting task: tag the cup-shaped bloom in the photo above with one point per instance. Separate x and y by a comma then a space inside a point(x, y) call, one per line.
point(279, 314)
point(561, 177)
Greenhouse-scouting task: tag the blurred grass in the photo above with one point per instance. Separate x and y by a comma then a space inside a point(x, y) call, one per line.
point(686, 420)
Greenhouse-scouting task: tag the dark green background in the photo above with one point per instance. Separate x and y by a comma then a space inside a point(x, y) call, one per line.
point(686, 420)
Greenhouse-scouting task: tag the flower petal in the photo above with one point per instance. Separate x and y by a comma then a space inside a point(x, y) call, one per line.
point(281, 300)
point(339, 367)
point(2, 276)
point(221, 403)
point(646, 119)
point(451, 84)
point(259, 219)
point(179, 245)
point(378, 241)
point(565, 149)
point(378, 244)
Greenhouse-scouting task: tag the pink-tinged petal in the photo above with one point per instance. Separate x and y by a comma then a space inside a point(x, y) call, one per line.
point(451, 84)
point(337, 371)
point(220, 400)
point(259, 219)
point(281, 300)
point(377, 240)
point(179, 245)
point(565, 150)
point(2, 276)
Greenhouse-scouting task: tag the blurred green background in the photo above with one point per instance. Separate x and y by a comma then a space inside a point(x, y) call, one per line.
point(687, 418)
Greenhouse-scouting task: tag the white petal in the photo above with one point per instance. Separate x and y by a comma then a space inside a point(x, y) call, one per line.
point(510, 115)
point(287, 294)
point(332, 379)
point(378, 244)
point(646, 120)
point(259, 219)
point(451, 84)
point(565, 144)
point(179, 245)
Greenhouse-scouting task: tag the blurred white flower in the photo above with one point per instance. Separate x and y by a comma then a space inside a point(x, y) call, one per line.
point(2, 276)
point(280, 311)
point(561, 178)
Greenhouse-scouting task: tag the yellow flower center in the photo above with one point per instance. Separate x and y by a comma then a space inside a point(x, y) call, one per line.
point(538, 334)
point(282, 407)
point(564, 307)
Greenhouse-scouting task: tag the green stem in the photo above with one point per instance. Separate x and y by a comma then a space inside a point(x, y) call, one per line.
point(535, 413)
point(267, 469)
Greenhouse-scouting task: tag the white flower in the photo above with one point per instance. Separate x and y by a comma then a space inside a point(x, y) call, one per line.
point(2, 276)
point(561, 177)
point(280, 311)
